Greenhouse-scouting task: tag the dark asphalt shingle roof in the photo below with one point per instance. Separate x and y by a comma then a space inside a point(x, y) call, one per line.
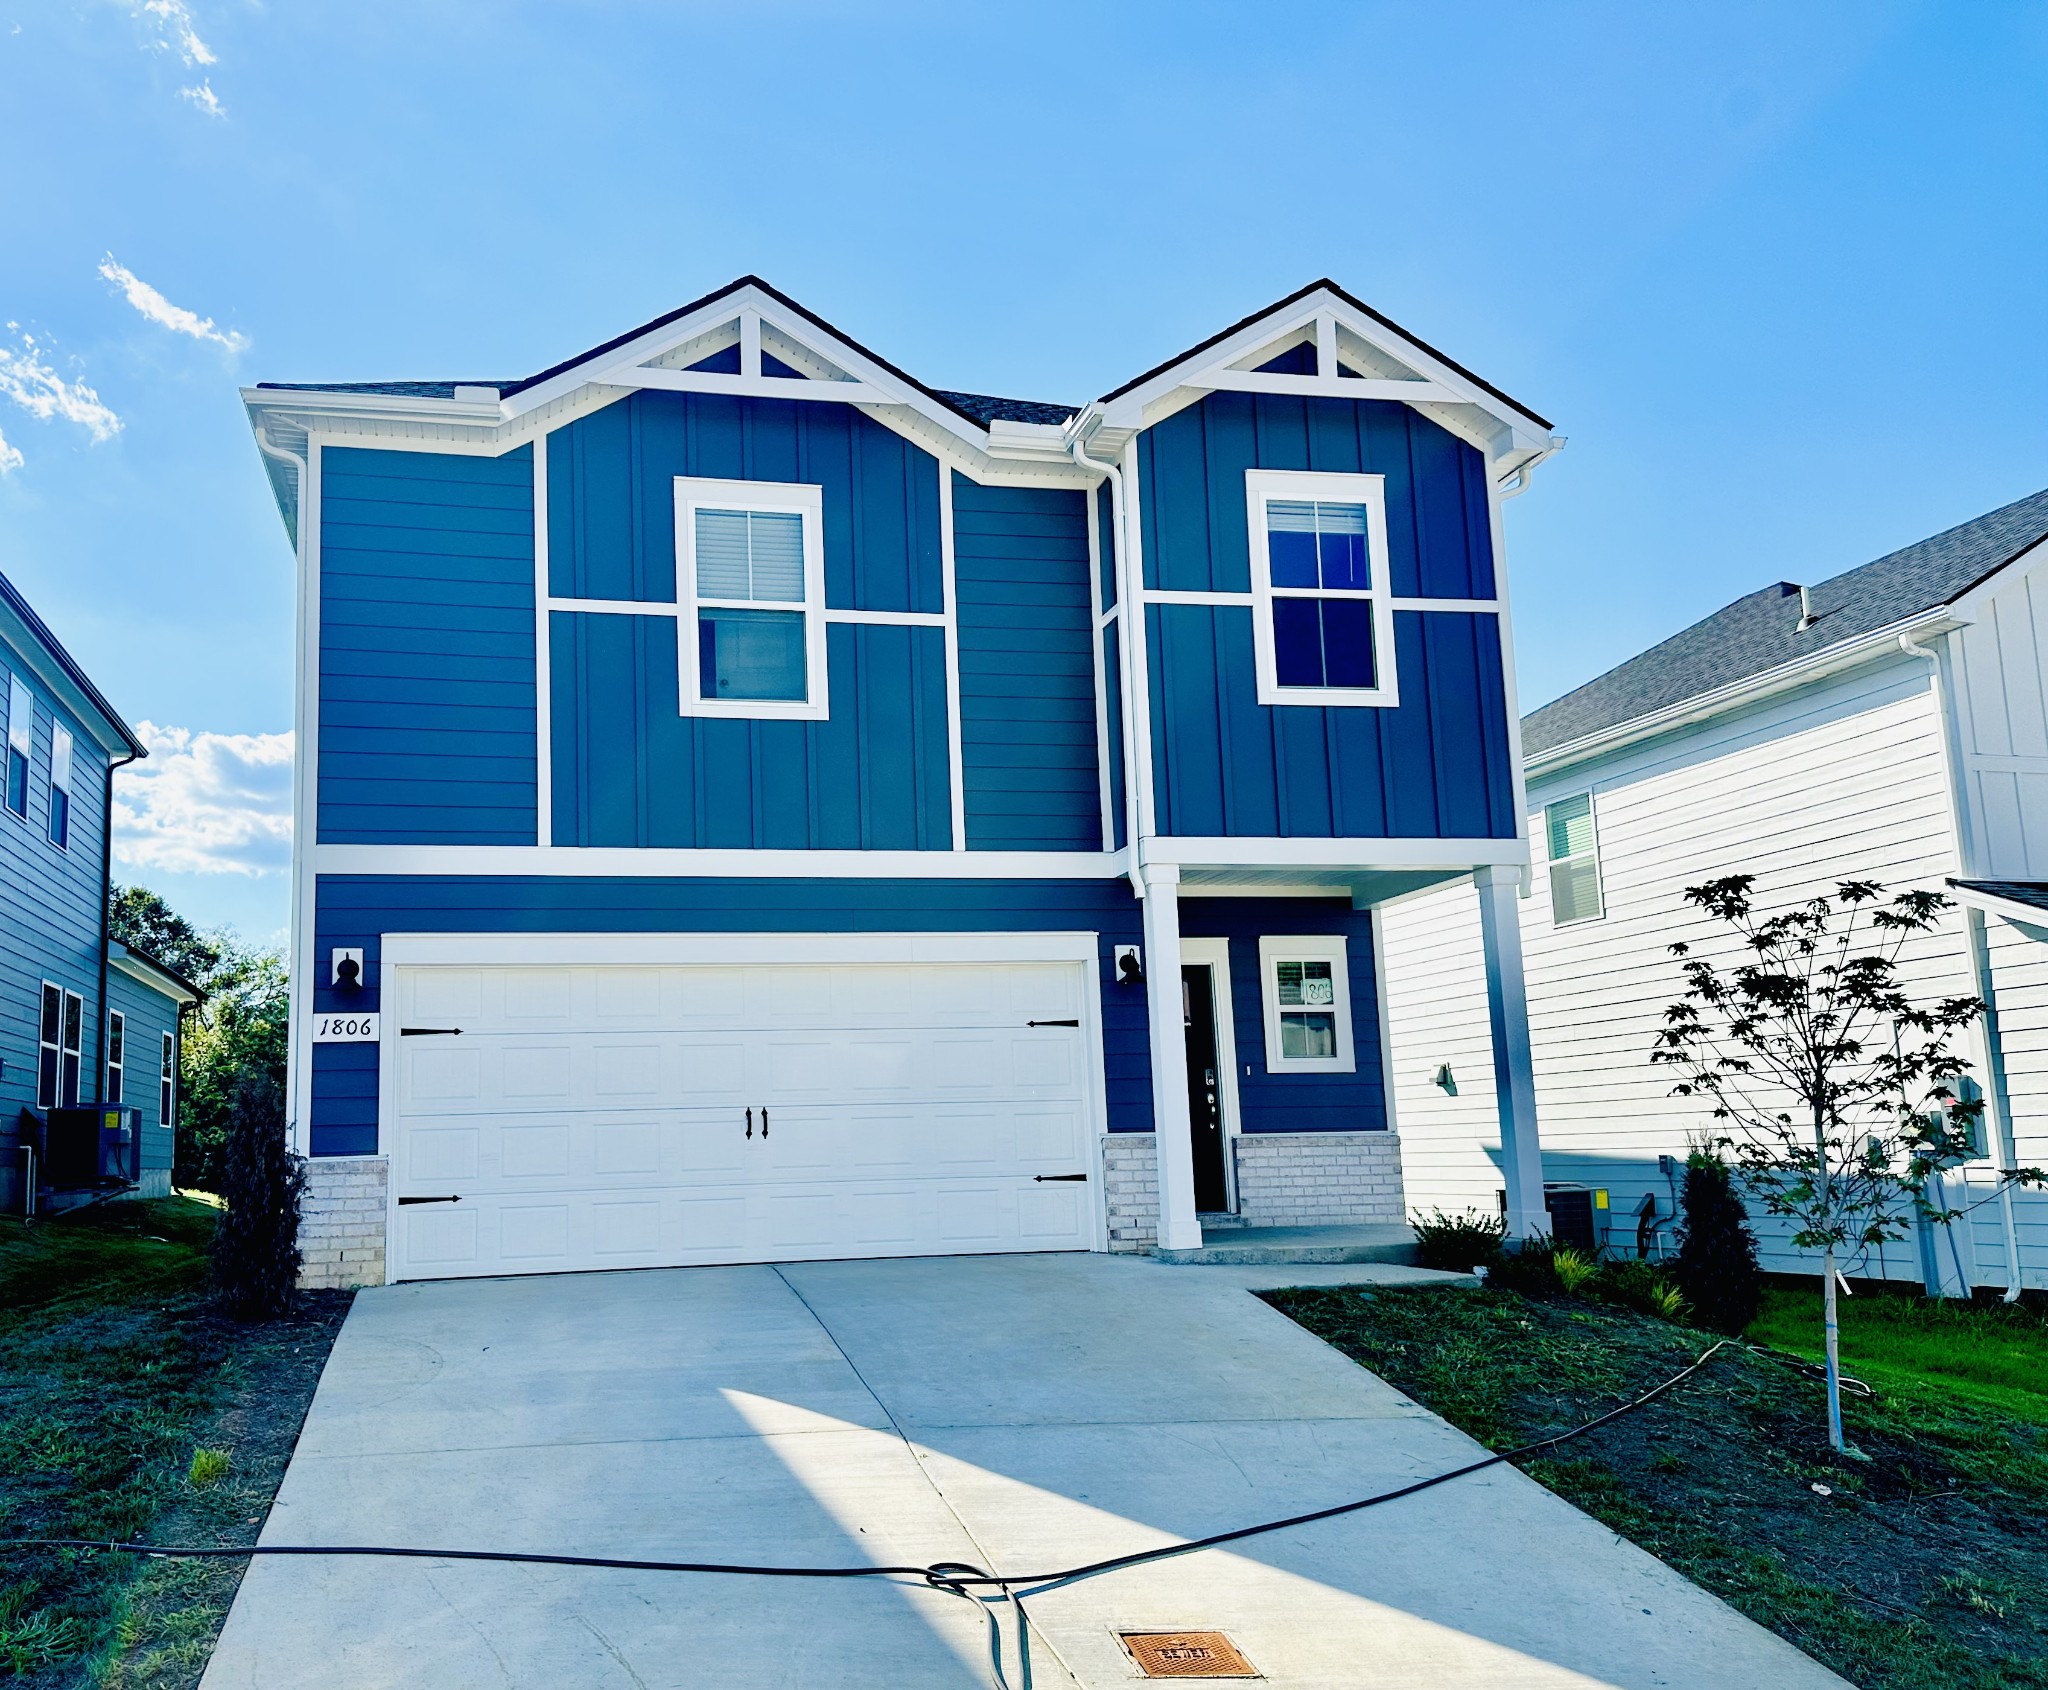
point(1759, 632)
point(2013, 891)
point(986, 408)
point(397, 389)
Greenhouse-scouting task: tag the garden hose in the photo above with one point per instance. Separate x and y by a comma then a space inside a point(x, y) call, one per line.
point(988, 1591)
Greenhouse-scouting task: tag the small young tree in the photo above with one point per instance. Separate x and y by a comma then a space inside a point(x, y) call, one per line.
point(1834, 1084)
point(256, 1247)
point(1717, 1267)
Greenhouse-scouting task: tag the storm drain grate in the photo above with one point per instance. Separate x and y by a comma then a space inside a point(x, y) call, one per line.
point(1187, 1654)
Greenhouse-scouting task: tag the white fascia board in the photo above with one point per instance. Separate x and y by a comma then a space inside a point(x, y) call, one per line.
point(1046, 441)
point(1250, 854)
point(409, 407)
point(1878, 643)
point(27, 650)
point(687, 863)
point(654, 950)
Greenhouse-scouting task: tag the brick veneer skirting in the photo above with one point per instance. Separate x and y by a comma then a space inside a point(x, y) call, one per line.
point(341, 1222)
point(1283, 1179)
point(1319, 1179)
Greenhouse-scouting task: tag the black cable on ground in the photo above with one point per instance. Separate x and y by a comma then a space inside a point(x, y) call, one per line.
point(953, 1578)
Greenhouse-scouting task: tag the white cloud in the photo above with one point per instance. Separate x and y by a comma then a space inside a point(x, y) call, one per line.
point(10, 457)
point(162, 312)
point(204, 98)
point(172, 21)
point(29, 379)
point(206, 803)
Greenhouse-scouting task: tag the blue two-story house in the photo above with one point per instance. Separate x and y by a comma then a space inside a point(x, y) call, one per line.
point(84, 1019)
point(753, 805)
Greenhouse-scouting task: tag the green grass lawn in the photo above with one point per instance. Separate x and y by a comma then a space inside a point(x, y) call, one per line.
point(114, 1372)
point(1987, 1353)
point(1921, 1566)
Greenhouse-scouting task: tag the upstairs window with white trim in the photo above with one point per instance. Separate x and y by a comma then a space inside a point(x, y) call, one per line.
point(60, 786)
point(21, 740)
point(1323, 618)
point(1574, 860)
point(750, 561)
point(1306, 985)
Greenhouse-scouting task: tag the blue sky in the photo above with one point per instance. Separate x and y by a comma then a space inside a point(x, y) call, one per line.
point(1779, 272)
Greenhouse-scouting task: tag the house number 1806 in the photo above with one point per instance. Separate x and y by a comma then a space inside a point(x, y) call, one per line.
point(344, 1029)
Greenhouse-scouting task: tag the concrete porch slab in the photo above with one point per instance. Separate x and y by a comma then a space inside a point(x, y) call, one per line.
point(1271, 1246)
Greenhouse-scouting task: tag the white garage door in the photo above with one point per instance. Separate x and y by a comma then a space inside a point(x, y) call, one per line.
point(556, 1118)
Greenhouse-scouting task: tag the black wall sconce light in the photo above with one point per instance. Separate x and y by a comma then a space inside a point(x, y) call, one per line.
point(347, 973)
point(1130, 966)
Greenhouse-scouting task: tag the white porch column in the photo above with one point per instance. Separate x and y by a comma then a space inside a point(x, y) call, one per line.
point(1514, 1077)
point(1172, 1141)
point(1997, 1100)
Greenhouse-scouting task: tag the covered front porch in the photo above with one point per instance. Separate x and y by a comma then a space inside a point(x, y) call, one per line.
point(1273, 1103)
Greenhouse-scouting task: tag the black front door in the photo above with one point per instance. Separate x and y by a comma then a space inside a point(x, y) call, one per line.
point(1205, 1096)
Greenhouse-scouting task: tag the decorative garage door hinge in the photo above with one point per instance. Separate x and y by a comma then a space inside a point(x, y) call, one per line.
point(1042, 1179)
point(1052, 1023)
point(404, 1201)
point(418, 1032)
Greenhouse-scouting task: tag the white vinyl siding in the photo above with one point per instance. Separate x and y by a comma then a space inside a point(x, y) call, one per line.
point(1843, 778)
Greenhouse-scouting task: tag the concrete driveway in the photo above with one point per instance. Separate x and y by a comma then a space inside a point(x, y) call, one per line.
point(1023, 1412)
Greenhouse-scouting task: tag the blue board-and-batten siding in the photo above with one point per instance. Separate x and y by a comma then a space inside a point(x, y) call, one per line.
point(1435, 766)
point(1027, 669)
point(611, 494)
point(1297, 1103)
point(1192, 467)
point(359, 909)
point(629, 770)
point(427, 700)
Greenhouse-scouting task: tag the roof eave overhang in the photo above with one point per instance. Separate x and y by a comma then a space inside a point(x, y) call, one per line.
point(2030, 918)
point(1751, 689)
point(60, 672)
point(147, 971)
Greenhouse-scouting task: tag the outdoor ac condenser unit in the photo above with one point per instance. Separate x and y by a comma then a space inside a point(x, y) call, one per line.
point(90, 1147)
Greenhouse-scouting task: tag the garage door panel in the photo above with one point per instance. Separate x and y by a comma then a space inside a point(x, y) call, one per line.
point(597, 1116)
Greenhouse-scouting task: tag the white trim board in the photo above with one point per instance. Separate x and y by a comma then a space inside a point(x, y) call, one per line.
point(678, 950)
point(679, 862)
point(1215, 955)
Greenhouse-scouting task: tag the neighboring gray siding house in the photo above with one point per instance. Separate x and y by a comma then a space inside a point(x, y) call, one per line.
point(82, 1020)
point(1891, 723)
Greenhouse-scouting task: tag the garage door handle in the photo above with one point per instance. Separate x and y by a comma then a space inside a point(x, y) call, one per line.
point(1041, 1179)
point(416, 1032)
point(1052, 1023)
point(405, 1201)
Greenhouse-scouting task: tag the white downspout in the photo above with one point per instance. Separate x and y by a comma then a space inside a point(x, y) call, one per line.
point(1980, 971)
point(1119, 562)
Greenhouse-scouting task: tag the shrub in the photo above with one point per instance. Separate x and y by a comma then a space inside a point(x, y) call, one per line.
point(1458, 1243)
point(256, 1248)
point(1717, 1267)
point(1529, 1267)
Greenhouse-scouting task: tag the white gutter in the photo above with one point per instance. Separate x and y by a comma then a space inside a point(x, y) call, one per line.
point(1748, 690)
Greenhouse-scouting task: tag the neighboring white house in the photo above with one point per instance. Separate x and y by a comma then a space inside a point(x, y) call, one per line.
point(1890, 723)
